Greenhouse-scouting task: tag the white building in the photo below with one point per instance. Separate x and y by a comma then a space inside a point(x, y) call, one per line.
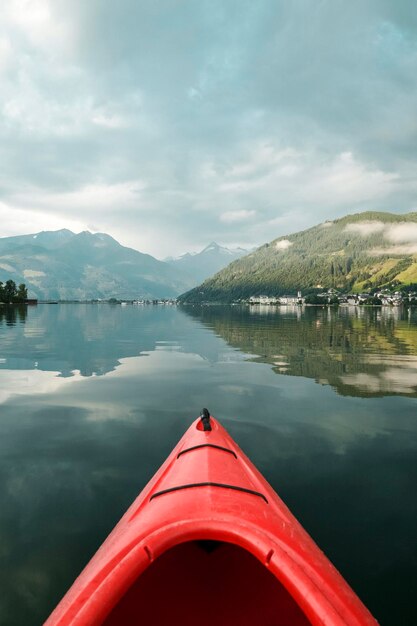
point(263, 300)
point(289, 300)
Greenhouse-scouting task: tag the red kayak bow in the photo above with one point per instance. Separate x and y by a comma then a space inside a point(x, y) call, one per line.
point(208, 541)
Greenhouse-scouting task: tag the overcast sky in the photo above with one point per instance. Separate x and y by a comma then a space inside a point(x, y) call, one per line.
point(168, 124)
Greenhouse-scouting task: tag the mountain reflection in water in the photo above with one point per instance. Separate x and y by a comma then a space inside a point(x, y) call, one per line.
point(94, 397)
point(359, 351)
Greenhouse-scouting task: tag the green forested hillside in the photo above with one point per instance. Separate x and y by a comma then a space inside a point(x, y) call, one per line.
point(355, 252)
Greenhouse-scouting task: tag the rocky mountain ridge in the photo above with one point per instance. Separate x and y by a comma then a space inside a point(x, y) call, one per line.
point(66, 266)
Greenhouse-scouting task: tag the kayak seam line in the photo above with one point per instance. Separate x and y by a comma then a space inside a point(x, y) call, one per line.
point(207, 445)
point(208, 484)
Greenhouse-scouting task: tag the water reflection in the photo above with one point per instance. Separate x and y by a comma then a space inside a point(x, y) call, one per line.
point(94, 398)
point(11, 314)
point(357, 350)
point(89, 340)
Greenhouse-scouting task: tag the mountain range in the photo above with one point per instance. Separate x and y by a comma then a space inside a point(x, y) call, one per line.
point(356, 252)
point(201, 265)
point(64, 265)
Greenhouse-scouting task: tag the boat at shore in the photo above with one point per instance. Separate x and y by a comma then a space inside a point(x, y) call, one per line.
point(208, 541)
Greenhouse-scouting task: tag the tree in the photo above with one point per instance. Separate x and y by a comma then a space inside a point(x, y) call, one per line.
point(9, 291)
point(22, 293)
point(372, 301)
point(312, 298)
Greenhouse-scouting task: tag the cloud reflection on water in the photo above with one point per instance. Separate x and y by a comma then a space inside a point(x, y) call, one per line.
point(358, 351)
point(75, 450)
point(399, 375)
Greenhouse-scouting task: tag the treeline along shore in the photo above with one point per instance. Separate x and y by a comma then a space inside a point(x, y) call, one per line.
point(12, 294)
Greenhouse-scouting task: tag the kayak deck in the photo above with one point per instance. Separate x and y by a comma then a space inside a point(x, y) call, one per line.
point(209, 541)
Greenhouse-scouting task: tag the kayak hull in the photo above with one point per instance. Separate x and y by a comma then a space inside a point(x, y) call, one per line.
point(208, 539)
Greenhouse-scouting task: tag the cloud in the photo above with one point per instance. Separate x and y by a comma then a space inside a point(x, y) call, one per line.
point(94, 198)
point(36, 23)
point(25, 222)
point(6, 54)
point(25, 382)
point(365, 228)
point(237, 216)
point(402, 379)
point(346, 178)
point(283, 244)
point(395, 250)
point(401, 232)
point(108, 120)
point(215, 115)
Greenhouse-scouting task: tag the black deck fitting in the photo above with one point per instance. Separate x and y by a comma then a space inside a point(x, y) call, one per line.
point(205, 418)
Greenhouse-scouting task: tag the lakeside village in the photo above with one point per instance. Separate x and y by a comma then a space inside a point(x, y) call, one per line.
point(11, 294)
point(327, 298)
point(383, 297)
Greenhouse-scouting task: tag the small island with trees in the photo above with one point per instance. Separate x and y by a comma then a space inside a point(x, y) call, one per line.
point(11, 294)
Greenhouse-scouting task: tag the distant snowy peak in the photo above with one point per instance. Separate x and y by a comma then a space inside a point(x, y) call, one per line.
point(186, 255)
point(214, 247)
point(201, 265)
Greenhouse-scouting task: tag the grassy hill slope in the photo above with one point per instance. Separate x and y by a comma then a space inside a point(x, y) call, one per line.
point(355, 252)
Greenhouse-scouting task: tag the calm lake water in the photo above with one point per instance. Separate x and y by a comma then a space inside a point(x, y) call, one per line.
point(94, 397)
